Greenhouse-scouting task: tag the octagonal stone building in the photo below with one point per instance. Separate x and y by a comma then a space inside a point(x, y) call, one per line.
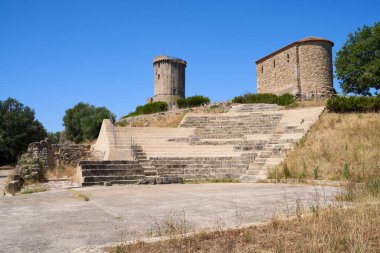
point(303, 68)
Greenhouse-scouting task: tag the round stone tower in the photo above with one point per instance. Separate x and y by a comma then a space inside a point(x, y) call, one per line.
point(169, 79)
point(315, 67)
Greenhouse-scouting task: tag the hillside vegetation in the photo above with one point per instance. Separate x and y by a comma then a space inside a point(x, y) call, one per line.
point(266, 98)
point(338, 146)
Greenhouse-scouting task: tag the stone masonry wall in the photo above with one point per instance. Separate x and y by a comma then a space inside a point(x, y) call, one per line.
point(278, 74)
point(169, 79)
point(315, 68)
point(303, 68)
point(71, 154)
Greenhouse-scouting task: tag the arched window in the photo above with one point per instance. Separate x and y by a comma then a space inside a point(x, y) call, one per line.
point(262, 69)
point(274, 63)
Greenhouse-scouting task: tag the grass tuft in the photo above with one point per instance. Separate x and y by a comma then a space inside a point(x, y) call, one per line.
point(80, 195)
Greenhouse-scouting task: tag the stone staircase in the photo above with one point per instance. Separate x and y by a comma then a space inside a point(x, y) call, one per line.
point(202, 167)
point(113, 172)
point(242, 144)
point(255, 108)
point(232, 126)
point(146, 164)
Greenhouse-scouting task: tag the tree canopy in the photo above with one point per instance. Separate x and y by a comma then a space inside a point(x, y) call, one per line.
point(18, 128)
point(358, 62)
point(83, 121)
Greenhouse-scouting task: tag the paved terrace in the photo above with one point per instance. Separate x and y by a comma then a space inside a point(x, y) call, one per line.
point(57, 221)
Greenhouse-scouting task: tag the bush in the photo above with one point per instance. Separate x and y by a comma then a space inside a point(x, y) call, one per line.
point(181, 103)
point(149, 108)
point(197, 101)
point(18, 128)
point(193, 101)
point(83, 121)
point(342, 104)
point(266, 98)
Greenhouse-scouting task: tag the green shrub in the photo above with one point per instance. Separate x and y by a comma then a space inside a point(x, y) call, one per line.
point(346, 171)
point(266, 98)
point(286, 171)
point(316, 173)
point(374, 186)
point(149, 108)
point(181, 103)
point(343, 104)
point(193, 101)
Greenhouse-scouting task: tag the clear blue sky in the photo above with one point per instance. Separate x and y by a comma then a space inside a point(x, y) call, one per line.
point(54, 54)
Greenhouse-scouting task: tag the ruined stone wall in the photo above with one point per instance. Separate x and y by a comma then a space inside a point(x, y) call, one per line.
point(71, 154)
point(41, 152)
point(278, 74)
point(51, 155)
point(315, 69)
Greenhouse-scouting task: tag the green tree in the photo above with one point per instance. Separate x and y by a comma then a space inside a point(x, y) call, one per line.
point(54, 137)
point(18, 128)
point(83, 121)
point(358, 62)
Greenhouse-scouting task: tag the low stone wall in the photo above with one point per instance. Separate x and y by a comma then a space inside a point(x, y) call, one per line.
point(70, 154)
point(42, 156)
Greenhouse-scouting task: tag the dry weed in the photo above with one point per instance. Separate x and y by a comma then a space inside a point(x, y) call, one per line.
point(338, 146)
point(80, 195)
point(61, 172)
point(311, 103)
point(353, 229)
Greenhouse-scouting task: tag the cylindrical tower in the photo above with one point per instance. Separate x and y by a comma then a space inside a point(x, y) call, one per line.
point(316, 68)
point(169, 79)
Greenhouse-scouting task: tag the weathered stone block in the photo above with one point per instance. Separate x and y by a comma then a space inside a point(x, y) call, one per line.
point(14, 186)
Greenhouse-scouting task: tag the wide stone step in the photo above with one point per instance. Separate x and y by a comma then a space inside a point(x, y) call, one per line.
point(111, 166)
point(122, 182)
point(90, 179)
point(150, 172)
point(106, 162)
point(113, 172)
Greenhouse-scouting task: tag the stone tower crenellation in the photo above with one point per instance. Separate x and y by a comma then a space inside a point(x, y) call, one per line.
point(169, 79)
point(303, 68)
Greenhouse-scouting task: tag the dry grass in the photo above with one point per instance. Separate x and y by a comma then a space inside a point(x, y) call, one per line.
point(61, 172)
point(338, 146)
point(80, 195)
point(353, 229)
point(153, 120)
point(33, 188)
point(311, 103)
point(175, 223)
